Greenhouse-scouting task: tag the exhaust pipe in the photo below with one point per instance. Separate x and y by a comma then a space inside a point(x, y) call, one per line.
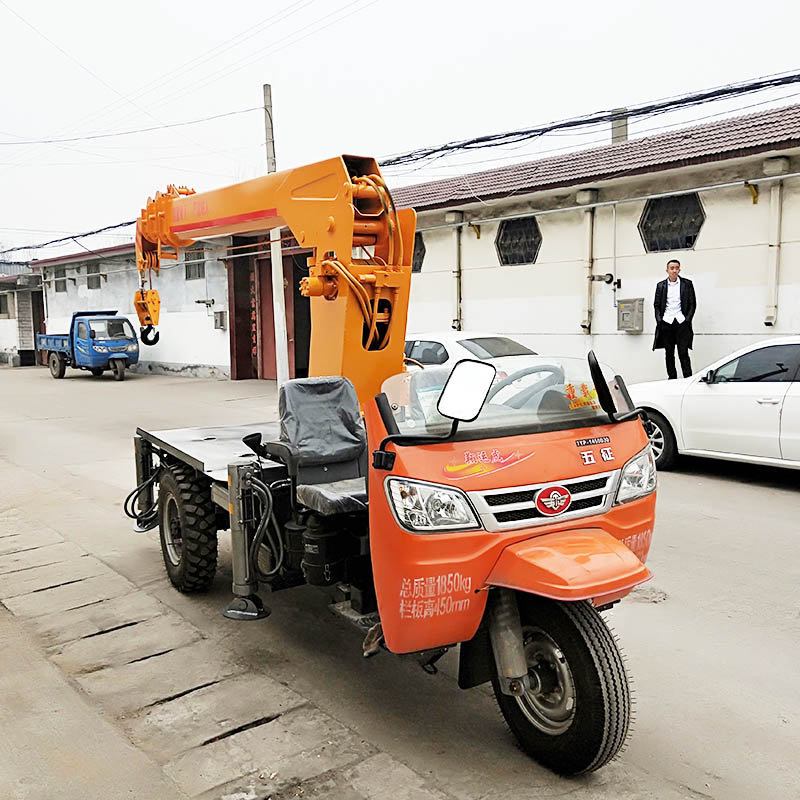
point(505, 633)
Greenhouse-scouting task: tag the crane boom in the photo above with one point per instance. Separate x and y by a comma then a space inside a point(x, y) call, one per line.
point(336, 208)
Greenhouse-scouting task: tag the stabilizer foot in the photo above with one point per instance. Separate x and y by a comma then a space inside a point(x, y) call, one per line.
point(246, 609)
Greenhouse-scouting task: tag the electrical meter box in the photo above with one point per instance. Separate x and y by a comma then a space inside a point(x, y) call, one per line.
point(630, 315)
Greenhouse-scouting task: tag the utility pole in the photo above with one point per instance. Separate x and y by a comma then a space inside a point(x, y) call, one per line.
point(276, 256)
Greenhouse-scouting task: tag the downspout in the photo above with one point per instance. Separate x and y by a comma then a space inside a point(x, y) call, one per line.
point(457, 217)
point(774, 252)
point(588, 266)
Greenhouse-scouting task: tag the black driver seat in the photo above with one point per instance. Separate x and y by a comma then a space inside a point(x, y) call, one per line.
point(323, 444)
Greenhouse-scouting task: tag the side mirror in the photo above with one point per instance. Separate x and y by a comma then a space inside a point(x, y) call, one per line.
point(708, 377)
point(92, 334)
point(465, 392)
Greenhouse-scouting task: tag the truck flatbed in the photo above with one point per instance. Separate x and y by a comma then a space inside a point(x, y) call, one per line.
point(210, 450)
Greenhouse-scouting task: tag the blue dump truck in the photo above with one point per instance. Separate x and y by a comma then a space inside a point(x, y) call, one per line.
point(97, 341)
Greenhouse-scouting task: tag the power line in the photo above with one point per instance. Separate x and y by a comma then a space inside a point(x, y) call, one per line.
point(131, 132)
point(649, 109)
point(68, 238)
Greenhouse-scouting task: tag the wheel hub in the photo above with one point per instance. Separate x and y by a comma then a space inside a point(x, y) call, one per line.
point(173, 533)
point(656, 437)
point(549, 704)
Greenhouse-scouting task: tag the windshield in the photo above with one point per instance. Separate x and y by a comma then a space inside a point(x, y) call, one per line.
point(486, 347)
point(111, 328)
point(541, 394)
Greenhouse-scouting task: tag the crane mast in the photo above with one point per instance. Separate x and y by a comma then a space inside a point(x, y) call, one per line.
point(359, 270)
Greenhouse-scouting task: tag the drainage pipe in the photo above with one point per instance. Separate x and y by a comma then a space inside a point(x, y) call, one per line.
point(774, 252)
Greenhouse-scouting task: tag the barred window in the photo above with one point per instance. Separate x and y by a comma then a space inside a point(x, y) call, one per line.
point(194, 263)
point(419, 253)
point(93, 273)
point(518, 241)
point(671, 223)
point(61, 279)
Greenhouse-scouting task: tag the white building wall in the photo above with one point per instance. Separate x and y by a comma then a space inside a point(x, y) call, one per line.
point(541, 304)
point(188, 342)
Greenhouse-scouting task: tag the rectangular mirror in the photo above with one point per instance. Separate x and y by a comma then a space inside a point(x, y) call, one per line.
point(465, 391)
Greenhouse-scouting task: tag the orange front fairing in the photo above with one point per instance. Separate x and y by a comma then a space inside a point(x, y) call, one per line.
point(569, 565)
point(431, 587)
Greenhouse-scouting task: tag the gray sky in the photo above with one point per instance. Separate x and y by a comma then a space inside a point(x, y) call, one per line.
point(372, 77)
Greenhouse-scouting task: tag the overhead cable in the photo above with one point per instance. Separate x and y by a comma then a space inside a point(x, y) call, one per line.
point(648, 109)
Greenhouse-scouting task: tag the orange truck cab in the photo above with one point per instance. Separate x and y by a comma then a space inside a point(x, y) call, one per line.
point(442, 507)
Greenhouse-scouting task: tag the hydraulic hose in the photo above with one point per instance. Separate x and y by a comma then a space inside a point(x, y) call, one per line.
point(262, 491)
point(147, 519)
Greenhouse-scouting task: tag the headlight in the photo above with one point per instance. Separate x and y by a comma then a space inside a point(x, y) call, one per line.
point(638, 477)
point(99, 348)
point(429, 508)
point(132, 348)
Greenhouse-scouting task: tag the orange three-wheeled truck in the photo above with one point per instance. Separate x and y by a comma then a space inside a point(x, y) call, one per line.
point(441, 507)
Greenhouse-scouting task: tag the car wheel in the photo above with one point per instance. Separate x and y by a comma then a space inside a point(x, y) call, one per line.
point(57, 365)
point(118, 368)
point(662, 440)
point(96, 371)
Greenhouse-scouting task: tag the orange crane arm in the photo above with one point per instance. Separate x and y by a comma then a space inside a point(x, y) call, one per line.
point(336, 207)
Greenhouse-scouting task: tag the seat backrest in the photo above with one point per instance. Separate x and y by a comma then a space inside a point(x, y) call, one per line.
point(320, 422)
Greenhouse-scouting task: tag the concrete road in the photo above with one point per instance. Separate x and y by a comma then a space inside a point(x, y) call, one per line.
point(287, 707)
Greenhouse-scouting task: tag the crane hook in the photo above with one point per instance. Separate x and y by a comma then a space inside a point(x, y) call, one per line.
point(149, 336)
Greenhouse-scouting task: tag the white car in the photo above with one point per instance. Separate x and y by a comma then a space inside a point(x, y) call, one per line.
point(744, 407)
point(445, 348)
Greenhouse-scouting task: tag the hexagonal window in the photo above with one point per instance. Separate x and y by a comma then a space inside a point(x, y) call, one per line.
point(518, 241)
point(419, 253)
point(671, 223)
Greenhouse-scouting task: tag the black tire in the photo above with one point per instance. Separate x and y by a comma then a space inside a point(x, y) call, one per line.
point(57, 365)
point(187, 526)
point(118, 368)
point(96, 371)
point(576, 716)
point(662, 440)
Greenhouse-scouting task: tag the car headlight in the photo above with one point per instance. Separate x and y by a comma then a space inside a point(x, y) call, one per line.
point(638, 477)
point(429, 508)
point(99, 348)
point(132, 348)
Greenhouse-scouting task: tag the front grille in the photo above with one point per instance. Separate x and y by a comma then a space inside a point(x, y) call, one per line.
point(587, 486)
point(533, 513)
point(516, 507)
point(511, 497)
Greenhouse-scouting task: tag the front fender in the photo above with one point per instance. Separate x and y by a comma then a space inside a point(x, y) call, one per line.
point(569, 565)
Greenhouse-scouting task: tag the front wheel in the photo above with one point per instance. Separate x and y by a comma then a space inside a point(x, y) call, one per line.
point(662, 440)
point(57, 365)
point(575, 716)
point(118, 368)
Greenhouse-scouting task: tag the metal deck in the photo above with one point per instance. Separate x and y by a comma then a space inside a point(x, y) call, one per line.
point(210, 450)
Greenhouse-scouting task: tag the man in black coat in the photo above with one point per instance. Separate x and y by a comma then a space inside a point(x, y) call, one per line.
point(675, 304)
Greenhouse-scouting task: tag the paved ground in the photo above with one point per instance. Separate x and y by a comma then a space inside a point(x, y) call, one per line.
point(113, 685)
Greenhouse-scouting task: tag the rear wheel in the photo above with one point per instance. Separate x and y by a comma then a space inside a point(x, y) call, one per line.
point(57, 365)
point(575, 716)
point(662, 440)
point(118, 368)
point(187, 526)
point(96, 371)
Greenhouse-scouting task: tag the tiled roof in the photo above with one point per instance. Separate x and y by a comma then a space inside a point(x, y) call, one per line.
point(715, 141)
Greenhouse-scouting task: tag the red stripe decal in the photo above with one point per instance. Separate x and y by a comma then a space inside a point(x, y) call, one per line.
point(214, 223)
